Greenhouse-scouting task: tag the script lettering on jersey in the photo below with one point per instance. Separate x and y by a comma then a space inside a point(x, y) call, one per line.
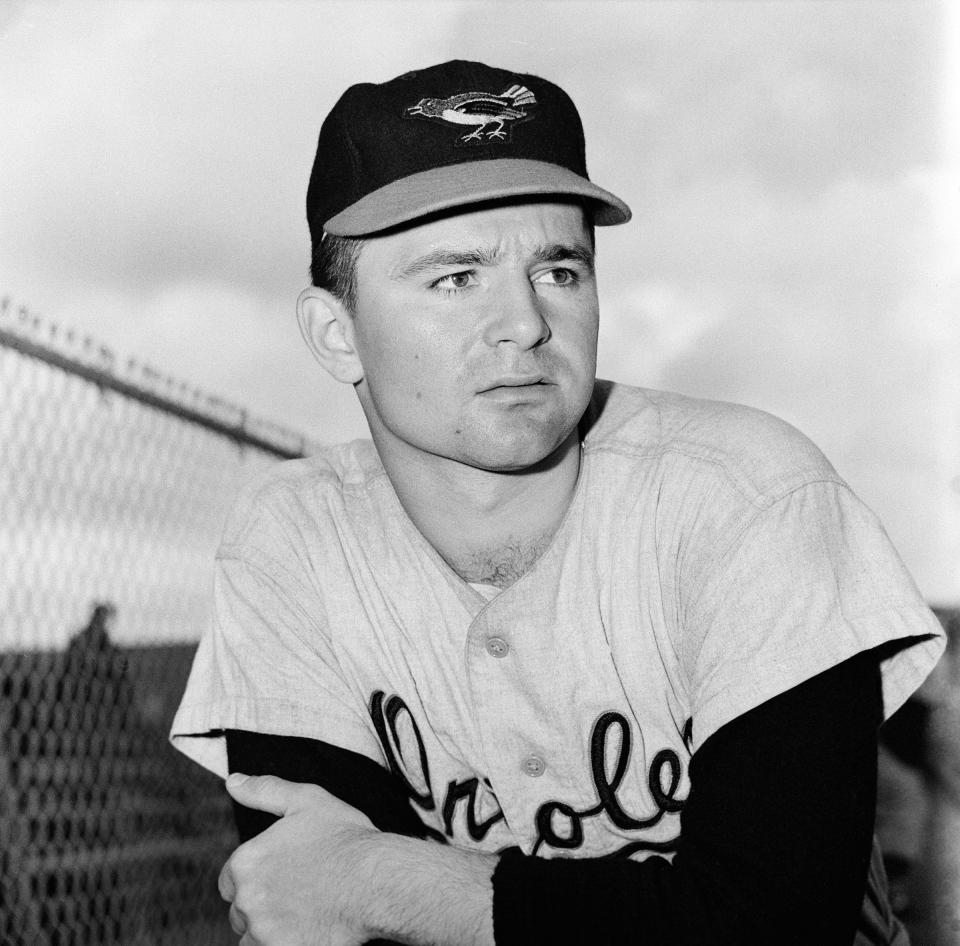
point(406, 754)
point(413, 769)
point(663, 779)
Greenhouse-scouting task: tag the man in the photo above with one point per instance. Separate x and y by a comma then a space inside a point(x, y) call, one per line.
point(621, 653)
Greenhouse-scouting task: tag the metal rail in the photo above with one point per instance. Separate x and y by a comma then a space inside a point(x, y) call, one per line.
point(106, 379)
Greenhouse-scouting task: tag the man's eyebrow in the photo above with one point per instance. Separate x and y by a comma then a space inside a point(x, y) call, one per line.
point(444, 258)
point(483, 256)
point(566, 252)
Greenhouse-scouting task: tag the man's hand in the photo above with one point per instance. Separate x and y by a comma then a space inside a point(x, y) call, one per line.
point(300, 882)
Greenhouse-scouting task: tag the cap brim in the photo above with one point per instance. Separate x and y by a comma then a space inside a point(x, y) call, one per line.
point(471, 182)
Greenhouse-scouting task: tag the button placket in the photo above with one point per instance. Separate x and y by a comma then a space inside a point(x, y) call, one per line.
point(495, 694)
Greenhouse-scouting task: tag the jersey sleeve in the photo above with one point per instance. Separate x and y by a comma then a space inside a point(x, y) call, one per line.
point(803, 583)
point(267, 663)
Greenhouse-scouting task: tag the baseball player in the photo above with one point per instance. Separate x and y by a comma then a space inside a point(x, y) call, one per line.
point(548, 659)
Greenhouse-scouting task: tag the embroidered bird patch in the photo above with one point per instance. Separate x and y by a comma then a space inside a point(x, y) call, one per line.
point(481, 109)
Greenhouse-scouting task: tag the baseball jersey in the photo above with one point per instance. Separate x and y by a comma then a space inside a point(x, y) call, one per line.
point(710, 559)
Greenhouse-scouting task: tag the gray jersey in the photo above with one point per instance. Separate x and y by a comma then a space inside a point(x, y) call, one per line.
point(711, 558)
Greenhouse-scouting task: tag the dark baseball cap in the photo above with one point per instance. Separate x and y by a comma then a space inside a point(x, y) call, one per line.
point(443, 137)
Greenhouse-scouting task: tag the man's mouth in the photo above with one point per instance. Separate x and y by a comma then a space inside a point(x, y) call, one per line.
point(516, 388)
point(515, 381)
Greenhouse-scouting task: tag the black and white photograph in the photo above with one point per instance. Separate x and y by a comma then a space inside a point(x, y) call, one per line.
point(479, 473)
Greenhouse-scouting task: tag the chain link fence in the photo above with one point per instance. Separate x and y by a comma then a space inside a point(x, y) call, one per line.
point(114, 484)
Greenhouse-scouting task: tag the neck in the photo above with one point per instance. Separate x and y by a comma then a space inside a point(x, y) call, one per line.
point(488, 526)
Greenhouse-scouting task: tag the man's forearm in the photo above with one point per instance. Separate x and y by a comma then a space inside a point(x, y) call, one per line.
point(323, 874)
point(425, 894)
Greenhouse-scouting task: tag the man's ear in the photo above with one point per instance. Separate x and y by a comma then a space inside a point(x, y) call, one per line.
point(327, 328)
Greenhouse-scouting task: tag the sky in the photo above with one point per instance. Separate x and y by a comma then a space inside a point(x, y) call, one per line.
point(793, 168)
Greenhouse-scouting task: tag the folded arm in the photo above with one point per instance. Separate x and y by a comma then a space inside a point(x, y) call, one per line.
point(775, 840)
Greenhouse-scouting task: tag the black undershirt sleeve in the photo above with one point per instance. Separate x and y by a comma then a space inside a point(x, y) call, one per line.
point(775, 833)
point(352, 777)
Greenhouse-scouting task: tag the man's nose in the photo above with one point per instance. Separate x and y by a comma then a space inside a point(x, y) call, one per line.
point(518, 318)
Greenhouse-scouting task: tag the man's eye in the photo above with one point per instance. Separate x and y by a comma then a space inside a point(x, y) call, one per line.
point(454, 281)
point(560, 276)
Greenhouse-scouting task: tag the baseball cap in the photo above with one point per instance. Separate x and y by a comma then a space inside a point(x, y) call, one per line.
point(442, 137)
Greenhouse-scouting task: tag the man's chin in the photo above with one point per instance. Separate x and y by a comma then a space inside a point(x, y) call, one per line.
point(518, 455)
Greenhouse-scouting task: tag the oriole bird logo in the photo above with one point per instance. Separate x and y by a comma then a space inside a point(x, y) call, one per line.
point(478, 108)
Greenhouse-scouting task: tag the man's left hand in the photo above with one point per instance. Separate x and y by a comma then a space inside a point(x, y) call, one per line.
point(300, 882)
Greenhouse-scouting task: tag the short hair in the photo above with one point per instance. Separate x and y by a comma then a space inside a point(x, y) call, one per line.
point(333, 267)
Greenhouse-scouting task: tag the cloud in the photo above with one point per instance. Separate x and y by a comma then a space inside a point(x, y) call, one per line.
point(645, 330)
point(168, 141)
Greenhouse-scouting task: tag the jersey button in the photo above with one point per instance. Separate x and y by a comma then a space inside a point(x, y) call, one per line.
point(497, 647)
point(534, 766)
